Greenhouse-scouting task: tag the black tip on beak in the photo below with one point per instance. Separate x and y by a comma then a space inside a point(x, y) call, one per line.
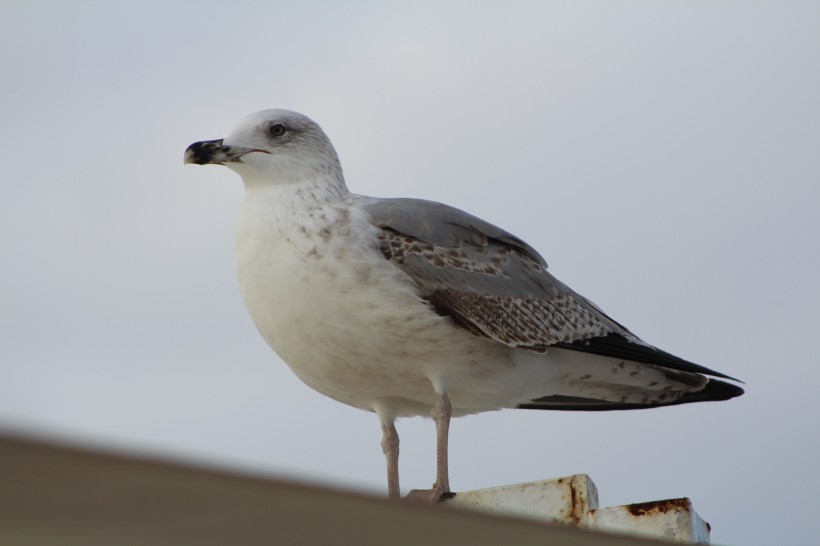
point(205, 152)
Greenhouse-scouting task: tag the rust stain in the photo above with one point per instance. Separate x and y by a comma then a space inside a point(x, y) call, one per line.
point(657, 507)
point(575, 511)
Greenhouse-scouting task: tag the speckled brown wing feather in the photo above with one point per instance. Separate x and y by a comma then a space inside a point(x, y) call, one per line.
point(495, 285)
point(489, 281)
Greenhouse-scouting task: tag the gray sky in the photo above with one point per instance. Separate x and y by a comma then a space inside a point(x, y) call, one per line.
point(663, 156)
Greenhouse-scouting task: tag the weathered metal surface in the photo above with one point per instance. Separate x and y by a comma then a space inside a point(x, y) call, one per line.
point(560, 500)
point(672, 519)
point(573, 500)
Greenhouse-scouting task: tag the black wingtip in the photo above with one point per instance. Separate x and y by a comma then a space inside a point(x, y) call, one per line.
point(617, 346)
point(714, 391)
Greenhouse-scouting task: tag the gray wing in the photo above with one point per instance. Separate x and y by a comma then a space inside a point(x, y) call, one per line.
point(497, 286)
point(488, 280)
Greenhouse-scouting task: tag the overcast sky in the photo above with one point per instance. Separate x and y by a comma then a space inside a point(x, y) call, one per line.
point(664, 157)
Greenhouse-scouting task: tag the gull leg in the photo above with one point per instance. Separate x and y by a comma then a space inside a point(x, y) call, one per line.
point(441, 414)
point(390, 447)
point(442, 411)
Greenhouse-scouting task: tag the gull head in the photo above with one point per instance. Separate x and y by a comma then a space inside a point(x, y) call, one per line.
point(273, 147)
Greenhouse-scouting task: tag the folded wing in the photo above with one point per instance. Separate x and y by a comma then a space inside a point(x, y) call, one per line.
point(495, 285)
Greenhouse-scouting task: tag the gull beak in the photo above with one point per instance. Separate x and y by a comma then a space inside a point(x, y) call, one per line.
point(216, 153)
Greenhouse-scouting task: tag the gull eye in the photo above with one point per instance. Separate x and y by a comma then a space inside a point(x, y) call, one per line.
point(276, 130)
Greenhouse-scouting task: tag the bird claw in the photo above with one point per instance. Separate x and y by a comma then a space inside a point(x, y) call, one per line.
point(430, 496)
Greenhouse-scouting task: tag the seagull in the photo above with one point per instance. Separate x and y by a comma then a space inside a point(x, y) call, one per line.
point(407, 307)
